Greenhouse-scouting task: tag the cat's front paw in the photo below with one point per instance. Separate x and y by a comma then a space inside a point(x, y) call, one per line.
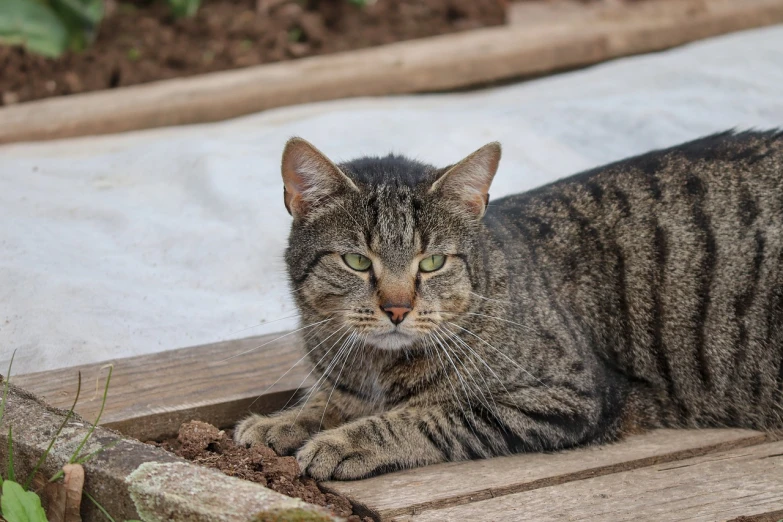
point(331, 455)
point(282, 434)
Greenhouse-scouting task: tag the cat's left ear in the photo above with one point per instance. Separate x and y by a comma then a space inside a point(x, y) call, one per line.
point(309, 177)
point(468, 181)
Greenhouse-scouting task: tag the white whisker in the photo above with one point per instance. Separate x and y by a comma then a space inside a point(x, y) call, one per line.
point(504, 355)
point(274, 340)
point(489, 298)
point(262, 324)
point(446, 374)
point(509, 359)
point(316, 387)
point(451, 360)
point(477, 355)
point(294, 366)
point(358, 226)
point(524, 326)
point(345, 329)
point(329, 398)
point(462, 345)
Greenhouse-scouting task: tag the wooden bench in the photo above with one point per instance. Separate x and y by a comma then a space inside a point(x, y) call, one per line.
point(661, 475)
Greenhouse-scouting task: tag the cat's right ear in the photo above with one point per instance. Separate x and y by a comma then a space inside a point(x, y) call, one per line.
point(467, 183)
point(309, 177)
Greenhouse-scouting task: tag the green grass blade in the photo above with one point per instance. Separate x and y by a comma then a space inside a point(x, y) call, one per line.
point(57, 434)
point(97, 420)
point(100, 508)
point(11, 474)
point(7, 381)
point(82, 460)
point(78, 451)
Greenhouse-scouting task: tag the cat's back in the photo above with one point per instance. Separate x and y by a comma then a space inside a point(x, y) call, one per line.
point(728, 161)
point(672, 262)
point(687, 201)
point(728, 180)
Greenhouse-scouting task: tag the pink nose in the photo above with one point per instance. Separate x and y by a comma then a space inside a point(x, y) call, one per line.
point(396, 312)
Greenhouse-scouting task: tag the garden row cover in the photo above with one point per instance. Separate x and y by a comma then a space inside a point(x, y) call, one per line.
point(148, 241)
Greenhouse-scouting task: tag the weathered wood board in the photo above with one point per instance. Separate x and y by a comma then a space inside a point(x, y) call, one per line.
point(714, 487)
point(433, 487)
point(151, 395)
point(540, 39)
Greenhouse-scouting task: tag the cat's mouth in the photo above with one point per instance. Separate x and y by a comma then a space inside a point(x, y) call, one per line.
point(395, 339)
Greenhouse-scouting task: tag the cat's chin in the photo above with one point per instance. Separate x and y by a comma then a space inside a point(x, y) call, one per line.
point(394, 340)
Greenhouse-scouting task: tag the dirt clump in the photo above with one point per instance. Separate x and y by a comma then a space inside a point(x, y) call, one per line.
point(206, 445)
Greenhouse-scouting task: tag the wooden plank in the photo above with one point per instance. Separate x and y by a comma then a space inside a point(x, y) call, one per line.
point(740, 482)
point(433, 487)
point(551, 43)
point(150, 395)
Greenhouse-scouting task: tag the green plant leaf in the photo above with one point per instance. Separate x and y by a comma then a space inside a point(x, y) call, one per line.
point(184, 7)
point(90, 12)
point(34, 25)
point(19, 505)
point(81, 19)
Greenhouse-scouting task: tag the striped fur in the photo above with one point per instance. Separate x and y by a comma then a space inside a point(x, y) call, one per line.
point(645, 293)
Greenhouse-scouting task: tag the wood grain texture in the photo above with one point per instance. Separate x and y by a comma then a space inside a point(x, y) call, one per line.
point(722, 486)
point(541, 39)
point(418, 490)
point(150, 395)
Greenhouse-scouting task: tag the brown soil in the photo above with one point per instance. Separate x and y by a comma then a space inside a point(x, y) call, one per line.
point(139, 41)
point(208, 446)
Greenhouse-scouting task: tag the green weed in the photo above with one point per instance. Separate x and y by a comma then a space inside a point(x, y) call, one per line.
point(17, 503)
point(51, 27)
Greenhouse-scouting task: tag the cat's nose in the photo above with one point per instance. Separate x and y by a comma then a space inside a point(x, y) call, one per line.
point(396, 312)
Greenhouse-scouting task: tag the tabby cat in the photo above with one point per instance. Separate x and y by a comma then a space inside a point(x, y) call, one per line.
point(646, 293)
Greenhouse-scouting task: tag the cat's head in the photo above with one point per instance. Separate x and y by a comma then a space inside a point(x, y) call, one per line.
point(385, 247)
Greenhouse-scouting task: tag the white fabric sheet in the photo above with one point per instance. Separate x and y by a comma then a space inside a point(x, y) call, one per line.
point(148, 241)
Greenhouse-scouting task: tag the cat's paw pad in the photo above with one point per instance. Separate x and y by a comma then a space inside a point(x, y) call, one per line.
point(329, 456)
point(282, 435)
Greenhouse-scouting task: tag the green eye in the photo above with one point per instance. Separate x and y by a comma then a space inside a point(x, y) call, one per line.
point(357, 261)
point(432, 263)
